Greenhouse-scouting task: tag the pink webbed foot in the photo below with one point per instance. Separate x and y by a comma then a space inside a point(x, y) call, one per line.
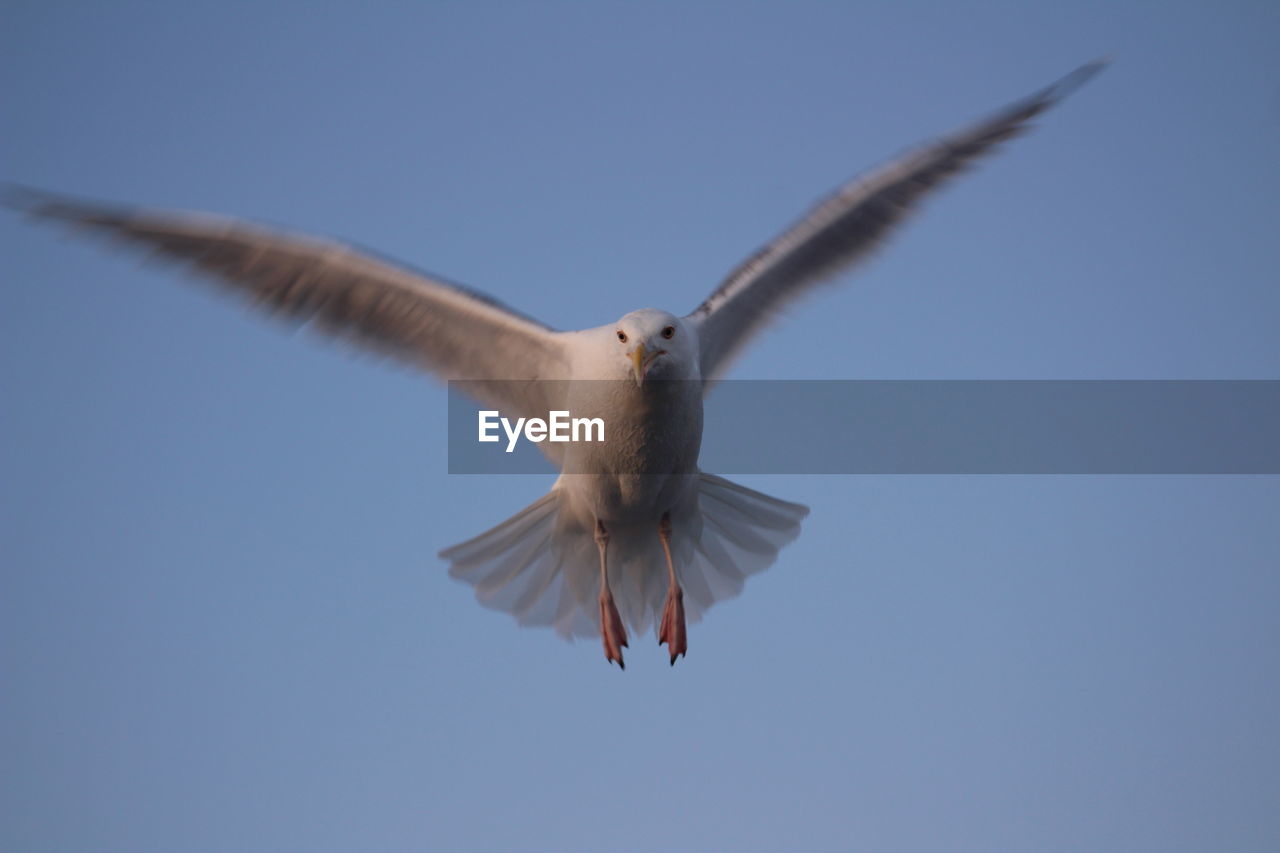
point(672, 629)
point(612, 630)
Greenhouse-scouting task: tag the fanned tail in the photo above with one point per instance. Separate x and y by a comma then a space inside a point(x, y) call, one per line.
point(541, 566)
point(742, 532)
point(519, 567)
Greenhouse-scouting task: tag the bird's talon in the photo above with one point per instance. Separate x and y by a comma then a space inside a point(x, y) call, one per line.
point(672, 632)
point(612, 631)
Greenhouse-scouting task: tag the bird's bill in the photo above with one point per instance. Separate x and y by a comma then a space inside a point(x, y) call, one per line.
point(641, 358)
point(639, 363)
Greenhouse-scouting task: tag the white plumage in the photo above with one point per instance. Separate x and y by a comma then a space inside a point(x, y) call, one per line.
point(632, 525)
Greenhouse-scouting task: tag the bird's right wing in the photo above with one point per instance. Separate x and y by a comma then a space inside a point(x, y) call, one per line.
point(848, 226)
point(449, 330)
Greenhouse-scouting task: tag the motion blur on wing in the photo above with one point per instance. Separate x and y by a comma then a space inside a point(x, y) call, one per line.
point(632, 533)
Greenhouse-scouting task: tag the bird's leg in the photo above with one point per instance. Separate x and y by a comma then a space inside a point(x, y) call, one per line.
point(611, 629)
point(672, 631)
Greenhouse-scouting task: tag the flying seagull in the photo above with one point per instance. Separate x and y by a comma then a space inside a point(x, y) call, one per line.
point(630, 526)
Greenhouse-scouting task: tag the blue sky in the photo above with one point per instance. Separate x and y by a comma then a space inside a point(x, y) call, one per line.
point(222, 622)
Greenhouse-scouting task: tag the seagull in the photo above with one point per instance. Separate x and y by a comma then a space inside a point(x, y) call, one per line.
point(631, 525)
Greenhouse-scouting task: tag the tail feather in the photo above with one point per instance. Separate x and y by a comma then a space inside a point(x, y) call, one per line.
point(523, 556)
point(498, 539)
point(743, 537)
point(765, 511)
point(506, 563)
point(542, 567)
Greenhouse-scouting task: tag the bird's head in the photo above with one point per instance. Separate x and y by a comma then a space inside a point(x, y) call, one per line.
point(656, 345)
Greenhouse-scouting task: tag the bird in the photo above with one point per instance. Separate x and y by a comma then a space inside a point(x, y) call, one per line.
point(632, 532)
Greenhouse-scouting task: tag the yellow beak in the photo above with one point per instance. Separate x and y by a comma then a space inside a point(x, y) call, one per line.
point(638, 363)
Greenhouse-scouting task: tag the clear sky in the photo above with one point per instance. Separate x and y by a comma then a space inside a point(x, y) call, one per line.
point(223, 625)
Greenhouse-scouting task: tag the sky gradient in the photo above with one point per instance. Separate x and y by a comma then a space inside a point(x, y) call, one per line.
point(223, 625)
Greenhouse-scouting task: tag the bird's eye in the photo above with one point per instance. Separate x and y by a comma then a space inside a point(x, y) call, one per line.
point(669, 332)
point(622, 336)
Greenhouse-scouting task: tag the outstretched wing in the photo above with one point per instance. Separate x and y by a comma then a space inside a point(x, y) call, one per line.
point(422, 321)
point(845, 227)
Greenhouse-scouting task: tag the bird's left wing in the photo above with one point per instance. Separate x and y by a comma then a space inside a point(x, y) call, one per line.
point(847, 226)
point(423, 321)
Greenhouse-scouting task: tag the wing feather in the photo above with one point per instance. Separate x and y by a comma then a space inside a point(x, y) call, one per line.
point(421, 320)
point(848, 225)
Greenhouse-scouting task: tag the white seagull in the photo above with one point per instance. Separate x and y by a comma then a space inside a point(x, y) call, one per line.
point(631, 525)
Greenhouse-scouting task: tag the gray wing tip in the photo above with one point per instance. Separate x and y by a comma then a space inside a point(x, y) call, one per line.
point(1014, 119)
point(38, 203)
point(23, 198)
point(1074, 80)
